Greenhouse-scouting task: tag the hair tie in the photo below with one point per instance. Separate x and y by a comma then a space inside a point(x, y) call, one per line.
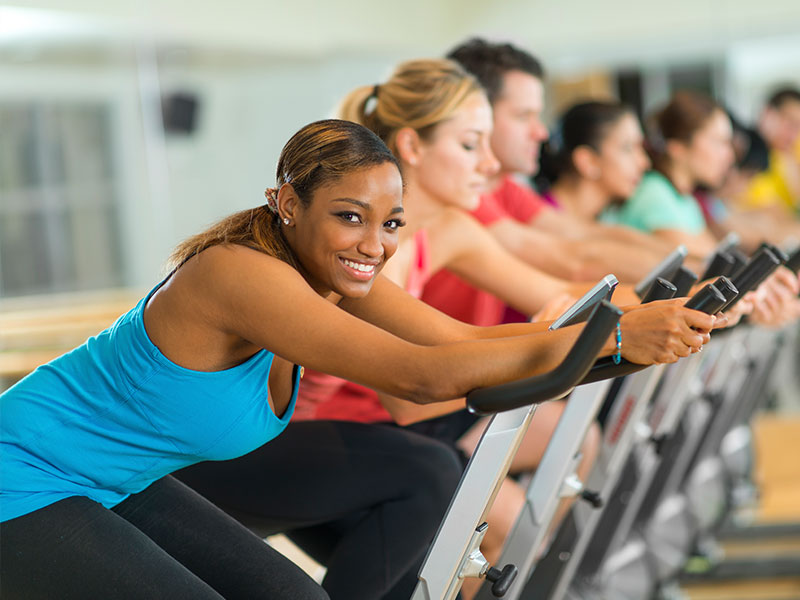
point(272, 199)
point(371, 102)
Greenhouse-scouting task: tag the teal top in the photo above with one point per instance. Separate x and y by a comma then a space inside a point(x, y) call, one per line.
point(114, 415)
point(655, 205)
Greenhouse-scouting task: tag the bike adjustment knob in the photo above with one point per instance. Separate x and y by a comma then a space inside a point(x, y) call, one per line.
point(592, 498)
point(501, 580)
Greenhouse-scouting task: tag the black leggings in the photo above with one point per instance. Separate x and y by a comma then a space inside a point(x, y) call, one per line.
point(164, 542)
point(364, 500)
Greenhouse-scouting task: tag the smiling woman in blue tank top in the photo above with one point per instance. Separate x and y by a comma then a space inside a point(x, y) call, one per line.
point(205, 367)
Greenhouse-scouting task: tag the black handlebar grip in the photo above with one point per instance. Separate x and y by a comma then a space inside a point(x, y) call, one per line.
point(606, 368)
point(725, 285)
point(666, 269)
point(779, 254)
point(708, 300)
point(560, 380)
point(761, 262)
point(721, 264)
point(761, 265)
point(793, 264)
point(739, 260)
point(683, 280)
point(660, 290)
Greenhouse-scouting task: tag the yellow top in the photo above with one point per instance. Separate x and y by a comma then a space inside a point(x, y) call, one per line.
point(772, 188)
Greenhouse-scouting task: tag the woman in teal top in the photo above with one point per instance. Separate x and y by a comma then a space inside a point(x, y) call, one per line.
point(205, 367)
point(691, 147)
point(657, 205)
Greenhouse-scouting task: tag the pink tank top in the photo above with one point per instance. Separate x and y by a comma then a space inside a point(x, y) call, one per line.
point(325, 397)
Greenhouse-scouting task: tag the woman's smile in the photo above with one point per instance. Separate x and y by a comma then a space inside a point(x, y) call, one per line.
point(359, 269)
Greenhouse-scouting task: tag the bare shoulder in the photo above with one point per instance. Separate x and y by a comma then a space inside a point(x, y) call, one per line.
point(225, 257)
point(220, 269)
point(192, 317)
point(226, 276)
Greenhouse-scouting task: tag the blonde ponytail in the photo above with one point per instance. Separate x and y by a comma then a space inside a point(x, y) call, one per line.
point(419, 94)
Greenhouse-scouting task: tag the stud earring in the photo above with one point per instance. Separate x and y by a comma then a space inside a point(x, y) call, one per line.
point(285, 220)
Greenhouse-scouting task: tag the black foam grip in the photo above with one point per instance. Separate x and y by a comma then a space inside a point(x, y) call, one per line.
point(740, 260)
point(709, 300)
point(660, 290)
point(605, 368)
point(725, 285)
point(793, 263)
point(666, 269)
point(779, 254)
point(721, 264)
point(760, 266)
point(560, 380)
point(684, 279)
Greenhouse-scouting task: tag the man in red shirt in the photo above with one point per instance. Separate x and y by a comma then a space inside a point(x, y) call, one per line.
point(521, 220)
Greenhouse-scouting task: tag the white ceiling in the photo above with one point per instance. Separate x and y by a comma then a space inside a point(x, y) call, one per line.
point(564, 32)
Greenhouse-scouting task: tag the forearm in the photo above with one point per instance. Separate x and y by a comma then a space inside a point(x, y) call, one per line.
point(507, 330)
point(490, 362)
point(628, 262)
point(404, 412)
point(699, 246)
point(629, 236)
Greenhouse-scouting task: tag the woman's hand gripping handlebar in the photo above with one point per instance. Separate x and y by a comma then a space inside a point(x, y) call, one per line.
point(660, 331)
point(560, 380)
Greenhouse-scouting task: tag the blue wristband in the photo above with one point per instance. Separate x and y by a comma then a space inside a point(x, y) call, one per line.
point(618, 355)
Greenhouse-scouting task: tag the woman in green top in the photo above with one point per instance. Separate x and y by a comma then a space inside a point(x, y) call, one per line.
point(691, 146)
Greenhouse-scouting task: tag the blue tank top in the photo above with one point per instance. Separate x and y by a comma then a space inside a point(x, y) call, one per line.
point(114, 415)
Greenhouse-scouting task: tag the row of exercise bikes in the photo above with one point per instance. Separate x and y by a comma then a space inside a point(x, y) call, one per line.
point(676, 458)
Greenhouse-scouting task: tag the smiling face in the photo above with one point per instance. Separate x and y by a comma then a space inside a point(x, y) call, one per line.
point(454, 164)
point(518, 128)
point(348, 231)
point(622, 158)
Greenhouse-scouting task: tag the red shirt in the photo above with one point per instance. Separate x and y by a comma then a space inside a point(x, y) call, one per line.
point(509, 200)
point(451, 294)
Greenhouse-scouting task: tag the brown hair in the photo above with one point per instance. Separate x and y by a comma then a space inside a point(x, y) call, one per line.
point(782, 96)
point(684, 115)
point(490, 62)
point(583, 124)
point(420, 94)
point(319, 153)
